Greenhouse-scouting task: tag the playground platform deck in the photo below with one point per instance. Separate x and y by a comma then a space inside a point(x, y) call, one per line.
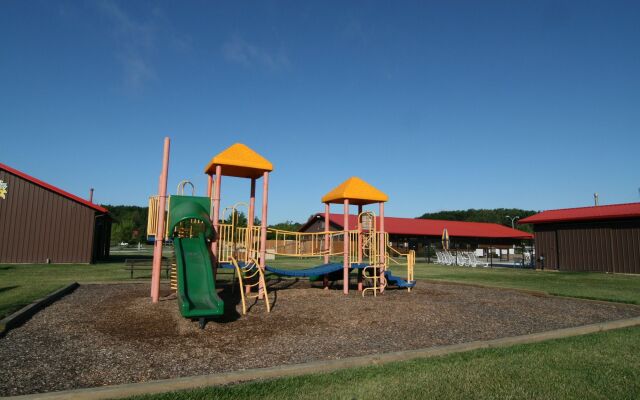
point(111, 334)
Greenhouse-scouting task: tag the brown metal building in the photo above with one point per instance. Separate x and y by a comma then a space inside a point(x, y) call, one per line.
point(40, 223)
point(599, 238)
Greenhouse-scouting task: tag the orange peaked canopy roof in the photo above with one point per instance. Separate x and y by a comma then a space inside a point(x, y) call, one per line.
point(239, 161)
point(357, 191)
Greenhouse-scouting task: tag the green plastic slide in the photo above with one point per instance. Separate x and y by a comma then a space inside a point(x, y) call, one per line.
point(197, 297)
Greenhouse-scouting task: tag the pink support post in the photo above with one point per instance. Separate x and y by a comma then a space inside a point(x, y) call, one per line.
point(251, 216)
point(359, 249)
point(209, 185)
point(345, 263)
point(210, 195)
point(383, 247)
point(327, 249)
point(359, 235)
point(157, 248)
point(216, 215)
point(263, 226)
point(327, 226)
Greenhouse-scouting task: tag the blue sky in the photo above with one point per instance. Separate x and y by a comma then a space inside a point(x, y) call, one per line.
point(442, 105)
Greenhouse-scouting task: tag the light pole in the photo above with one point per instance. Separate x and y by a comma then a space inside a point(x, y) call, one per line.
point(513, 219)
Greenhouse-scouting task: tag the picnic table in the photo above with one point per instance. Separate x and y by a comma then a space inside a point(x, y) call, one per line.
point(138, 264)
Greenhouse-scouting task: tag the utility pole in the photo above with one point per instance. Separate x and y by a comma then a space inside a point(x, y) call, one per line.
point(513, 219)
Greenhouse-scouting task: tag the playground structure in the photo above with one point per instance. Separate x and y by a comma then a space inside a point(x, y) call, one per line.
point(363, 248)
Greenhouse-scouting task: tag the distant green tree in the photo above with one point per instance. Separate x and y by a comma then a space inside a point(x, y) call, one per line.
point(496, 215)
point(122, 232)
point(129, 223)
point(240, 218)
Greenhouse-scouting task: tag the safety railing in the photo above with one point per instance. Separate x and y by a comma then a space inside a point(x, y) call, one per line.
point(305, 244)
point(354, 250)
point(248, 242)
point(241, 243)
point(393, 255)
point(152, 216)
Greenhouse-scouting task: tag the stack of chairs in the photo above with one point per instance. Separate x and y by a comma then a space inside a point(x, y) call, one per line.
point(445, 258)
point(463, 258)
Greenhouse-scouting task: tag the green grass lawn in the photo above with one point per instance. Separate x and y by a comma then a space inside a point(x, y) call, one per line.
point(21, 284)
point(598, 366)
point(586, 285)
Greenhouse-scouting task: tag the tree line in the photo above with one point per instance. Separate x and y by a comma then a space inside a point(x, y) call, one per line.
point(130, 222)
point(496, 216)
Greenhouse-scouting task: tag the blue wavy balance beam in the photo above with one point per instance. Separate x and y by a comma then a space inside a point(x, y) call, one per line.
point(315, 271)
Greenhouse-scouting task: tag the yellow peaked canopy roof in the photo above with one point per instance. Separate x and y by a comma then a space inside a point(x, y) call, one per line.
point(357, 191)
point(240, 161)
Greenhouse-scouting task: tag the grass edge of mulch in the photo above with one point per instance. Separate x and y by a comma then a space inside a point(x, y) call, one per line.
point(532, 291)
point(405, 368)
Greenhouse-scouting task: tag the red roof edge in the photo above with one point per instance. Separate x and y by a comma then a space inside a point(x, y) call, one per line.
point(589, 213)
point(53, 188)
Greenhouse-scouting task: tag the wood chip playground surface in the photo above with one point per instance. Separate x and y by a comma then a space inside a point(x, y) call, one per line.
point(111, 334)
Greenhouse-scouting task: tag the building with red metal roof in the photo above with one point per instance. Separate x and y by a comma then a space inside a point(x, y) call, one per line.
point(598, 238)
point(419, 233)
point(414, 227)
point(594, 213)
point(41, 223)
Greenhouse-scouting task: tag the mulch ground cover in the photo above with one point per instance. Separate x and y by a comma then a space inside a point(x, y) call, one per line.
point(112, 334)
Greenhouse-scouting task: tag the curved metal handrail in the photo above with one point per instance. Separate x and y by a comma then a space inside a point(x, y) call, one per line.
point(182, 184)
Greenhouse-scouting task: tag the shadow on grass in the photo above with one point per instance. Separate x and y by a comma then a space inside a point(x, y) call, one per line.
point(6, 267)
point(120, 258)
point(595, 298)
point(7, 288)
